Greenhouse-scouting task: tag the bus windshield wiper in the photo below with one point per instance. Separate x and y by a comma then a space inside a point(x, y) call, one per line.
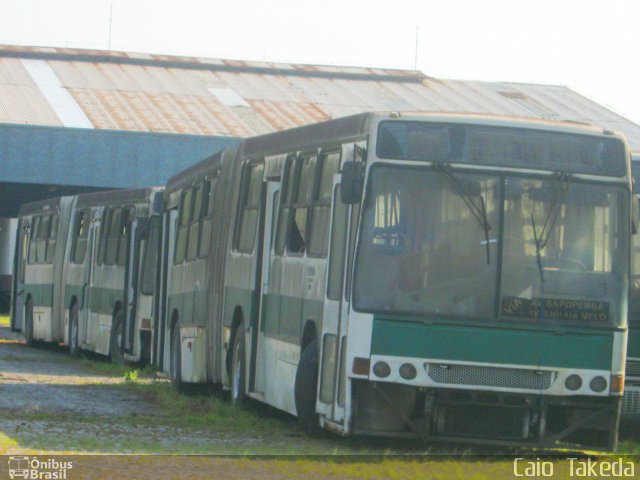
point(478, 212)
point(555, 206)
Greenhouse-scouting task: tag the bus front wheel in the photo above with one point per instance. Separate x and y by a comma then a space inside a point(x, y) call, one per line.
point(238, 370)
point(306, 387)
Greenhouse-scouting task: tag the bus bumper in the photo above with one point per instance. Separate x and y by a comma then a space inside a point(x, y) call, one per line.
point(495, 418)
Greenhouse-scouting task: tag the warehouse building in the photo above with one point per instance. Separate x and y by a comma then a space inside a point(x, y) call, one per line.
point(80, 120)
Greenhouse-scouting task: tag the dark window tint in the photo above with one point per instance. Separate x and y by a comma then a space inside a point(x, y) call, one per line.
point(298, 233)
point(150, 261)
point(250, 207)
point(113, 236)
point(81, 230)
point(286, 197)
point(329, 165)
point(206, 221)
point(128, 214)
point(35, 225)
point(184, 217)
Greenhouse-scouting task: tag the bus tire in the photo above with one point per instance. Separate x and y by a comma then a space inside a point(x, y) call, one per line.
point(28, 325)
point(115, 340)
point(238, 369)
point(306, 387)
point(175, 368)
point(74, 345)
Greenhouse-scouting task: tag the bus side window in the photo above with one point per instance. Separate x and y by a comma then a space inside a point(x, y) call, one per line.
point(286, 197)
point(205, 218)
point(250, 201)
point(194, 224)
point(184, 217)
point(318, 241)
point(112, 239)
point(104, 236)
point(128, 214)
point(298, 233)
point(43, 233)
point(150, 261)
point(33, 244)
point(51, 238)
point(80, 237)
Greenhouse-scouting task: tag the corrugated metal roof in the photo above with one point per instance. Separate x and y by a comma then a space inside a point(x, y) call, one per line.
point(189, 95)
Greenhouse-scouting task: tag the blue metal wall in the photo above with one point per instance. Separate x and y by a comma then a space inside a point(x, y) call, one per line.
point(98, 158)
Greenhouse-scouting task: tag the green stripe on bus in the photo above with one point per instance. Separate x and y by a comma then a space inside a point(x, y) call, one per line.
point(190, 306)
point(492, 345)
point(41, 294)
point(285, 315)
point(102, 300)
point(71, 291)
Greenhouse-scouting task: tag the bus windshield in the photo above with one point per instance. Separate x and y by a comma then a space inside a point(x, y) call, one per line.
point(431, 243)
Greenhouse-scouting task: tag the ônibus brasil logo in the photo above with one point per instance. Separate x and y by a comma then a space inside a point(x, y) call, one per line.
point(33, 468)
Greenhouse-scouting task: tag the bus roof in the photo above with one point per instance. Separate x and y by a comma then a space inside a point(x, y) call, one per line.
point(48, 204)
point(116, 197)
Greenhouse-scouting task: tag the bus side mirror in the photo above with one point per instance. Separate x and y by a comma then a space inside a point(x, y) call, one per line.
point(352, 182)
point(635, 214)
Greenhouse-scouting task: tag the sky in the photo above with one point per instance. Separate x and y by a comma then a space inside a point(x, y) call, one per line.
point(587, 45)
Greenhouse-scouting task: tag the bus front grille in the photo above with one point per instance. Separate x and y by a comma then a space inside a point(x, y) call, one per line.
point(631, 401)
point(491, 376)
point(632, 369)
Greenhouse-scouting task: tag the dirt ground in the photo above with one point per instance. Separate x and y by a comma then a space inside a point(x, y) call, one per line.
point(91, 413)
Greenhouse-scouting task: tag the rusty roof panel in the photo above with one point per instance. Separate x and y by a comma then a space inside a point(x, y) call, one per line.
point(161, 93)
point(26, 105)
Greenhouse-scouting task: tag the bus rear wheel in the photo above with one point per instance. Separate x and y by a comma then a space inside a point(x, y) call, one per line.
point(306, 387)
point(28, 325)
point(238, 370)
point(74, 346)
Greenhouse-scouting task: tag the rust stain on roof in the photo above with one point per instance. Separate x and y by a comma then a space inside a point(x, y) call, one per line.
point(169, 93)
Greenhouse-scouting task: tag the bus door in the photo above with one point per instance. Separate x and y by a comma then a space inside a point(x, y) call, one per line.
point(90, 259)
point(135, 229)
point(259, 353)
point(20, 259)
point(331, 379)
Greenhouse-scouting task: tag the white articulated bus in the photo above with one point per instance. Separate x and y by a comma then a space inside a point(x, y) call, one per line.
point(87, 272)
point(37, 286)
point(437, 276)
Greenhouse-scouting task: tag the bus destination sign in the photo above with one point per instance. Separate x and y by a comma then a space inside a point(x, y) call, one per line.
point(555, 309)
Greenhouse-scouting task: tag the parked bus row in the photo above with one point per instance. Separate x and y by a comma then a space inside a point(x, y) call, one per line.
point(446, 277)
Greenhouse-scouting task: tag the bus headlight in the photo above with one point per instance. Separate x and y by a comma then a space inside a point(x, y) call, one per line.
point(573, 382)
point(598, 384)
point(408, 371)
point(382, 369)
